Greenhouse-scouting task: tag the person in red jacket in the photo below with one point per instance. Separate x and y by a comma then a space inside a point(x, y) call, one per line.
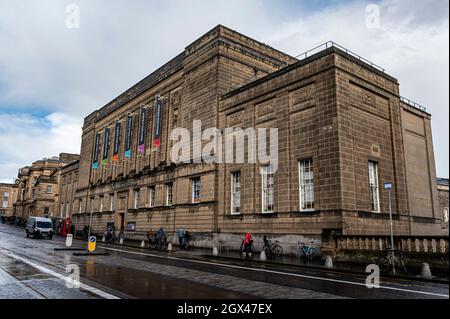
point(247, 244)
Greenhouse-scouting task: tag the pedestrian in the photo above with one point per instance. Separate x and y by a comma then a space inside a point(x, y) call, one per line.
point(181, 233)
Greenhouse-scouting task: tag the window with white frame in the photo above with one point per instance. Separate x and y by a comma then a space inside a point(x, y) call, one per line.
point(112, 202)
point(101, 203)
point(306, 185)
point(151, 196)
point(80, 206)
point(373, 187)
point(196, 190)
point(137, 198)
point(49, 189)
point(236, 193)
point(169, 194)
point(5, 203)
point(267, 193)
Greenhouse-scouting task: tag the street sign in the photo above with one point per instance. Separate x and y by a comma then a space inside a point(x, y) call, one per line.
point(69, 240)
point(92, 243)
point(388, 185)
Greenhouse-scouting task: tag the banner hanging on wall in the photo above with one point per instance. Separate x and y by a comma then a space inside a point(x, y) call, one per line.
point(116, 141)
point(128, 136)
point(96, 149)
point(106, 147)
point(158, 119)
point(142, 130)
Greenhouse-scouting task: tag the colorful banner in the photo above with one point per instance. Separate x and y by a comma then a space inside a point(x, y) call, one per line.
point(158, 119)
point(128, 136)
point(142, 130)
point(96, 149)
point(106, 147)
point(116, 141)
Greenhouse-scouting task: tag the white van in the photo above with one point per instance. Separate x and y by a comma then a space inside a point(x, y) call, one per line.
point(39, 227)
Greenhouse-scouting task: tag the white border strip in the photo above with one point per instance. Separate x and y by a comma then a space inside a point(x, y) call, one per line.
point(91, 289)
point(277, 272)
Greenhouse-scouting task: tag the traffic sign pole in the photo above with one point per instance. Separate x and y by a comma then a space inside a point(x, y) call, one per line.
point(388, 186)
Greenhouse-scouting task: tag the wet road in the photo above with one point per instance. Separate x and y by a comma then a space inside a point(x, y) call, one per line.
point(31, 268)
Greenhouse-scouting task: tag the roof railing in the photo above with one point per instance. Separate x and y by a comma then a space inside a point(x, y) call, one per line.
point(413, 104)
point(331, 44)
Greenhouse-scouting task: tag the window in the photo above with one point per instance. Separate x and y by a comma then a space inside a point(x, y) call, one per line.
point(46, 210)
point(67, 208)
point(101, 203)
point(80, 206)
point(236, 193)
point(5, 204)
point(33, 193)
point(169, 194)
point(49, 189)
point(446, 215)
point(306, 185)
point(267, 189)
point(62, 209)
point(373, 187)
point(196, 190)
point(151, 196)
point(137, 198)
point(112, 202)
point(6, 194)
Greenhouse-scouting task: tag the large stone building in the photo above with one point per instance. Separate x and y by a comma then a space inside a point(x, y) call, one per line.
point(8, 196)
point(39, 185)
point(343, 131)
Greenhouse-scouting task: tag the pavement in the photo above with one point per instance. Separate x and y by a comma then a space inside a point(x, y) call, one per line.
point(31, 268)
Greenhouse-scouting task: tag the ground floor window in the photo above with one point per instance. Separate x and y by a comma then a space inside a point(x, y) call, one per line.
point(306, 185)
point(137, 198)
point(373, 187)
point(236, 193)
point(151, 196)
point(169, 194)
point(196, 190)
point(267, 189)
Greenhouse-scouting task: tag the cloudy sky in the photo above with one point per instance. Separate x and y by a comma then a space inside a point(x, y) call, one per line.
point(52, 76)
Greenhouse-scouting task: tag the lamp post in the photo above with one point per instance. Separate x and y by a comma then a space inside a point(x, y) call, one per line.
point(389, 186)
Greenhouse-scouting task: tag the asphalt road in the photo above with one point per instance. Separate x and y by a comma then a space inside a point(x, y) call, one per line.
point(31, 268)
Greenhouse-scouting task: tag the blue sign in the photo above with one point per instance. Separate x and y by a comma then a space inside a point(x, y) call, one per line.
point(388, 185)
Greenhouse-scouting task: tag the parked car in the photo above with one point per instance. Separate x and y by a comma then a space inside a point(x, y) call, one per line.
point(39, 227)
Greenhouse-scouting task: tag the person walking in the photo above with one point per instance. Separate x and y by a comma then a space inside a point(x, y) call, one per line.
point(180, 233)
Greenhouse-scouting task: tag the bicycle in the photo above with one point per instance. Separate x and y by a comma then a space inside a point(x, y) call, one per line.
point(272, 248)
point(307, 252)
point(386, 261)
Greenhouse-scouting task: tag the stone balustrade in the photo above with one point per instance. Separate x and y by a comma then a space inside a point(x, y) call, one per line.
point(414, 244)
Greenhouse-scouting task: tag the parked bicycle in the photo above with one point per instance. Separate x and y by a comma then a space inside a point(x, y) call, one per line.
point(272, 247)
point(386, 261)
point(307, 252)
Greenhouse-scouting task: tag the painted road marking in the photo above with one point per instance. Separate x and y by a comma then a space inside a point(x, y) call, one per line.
point(86, 287)
point(278, 272)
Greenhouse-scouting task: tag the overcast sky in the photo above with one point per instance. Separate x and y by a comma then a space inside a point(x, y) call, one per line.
point(52, 76)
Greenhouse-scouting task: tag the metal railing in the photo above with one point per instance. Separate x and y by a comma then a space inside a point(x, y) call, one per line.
point(413, 104)
point(331, 44)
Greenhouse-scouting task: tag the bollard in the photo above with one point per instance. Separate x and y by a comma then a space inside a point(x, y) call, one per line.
point(426, 272)
point(142, 244)
point(328, 262)
point(215, 251)
point(169, 247)
point(121, 241)
point(263, 256)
